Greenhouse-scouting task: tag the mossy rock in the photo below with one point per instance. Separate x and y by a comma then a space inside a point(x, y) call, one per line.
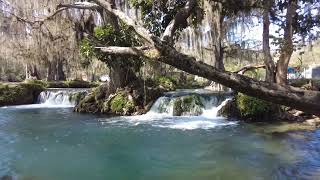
point(254, 109)
point(71, 84)
point(88, 104)
point(81, 84)
point(188, 105)
point(122, 103)
point(24, 93)
point(77, 97)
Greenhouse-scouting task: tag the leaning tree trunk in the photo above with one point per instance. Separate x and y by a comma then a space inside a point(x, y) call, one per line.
point(287, 46)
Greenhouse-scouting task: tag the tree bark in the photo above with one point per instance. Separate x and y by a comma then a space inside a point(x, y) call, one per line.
point(32, 72)
point(270, 66)
point(307, 101)
point(287, 46)
point(60, 75)
point(50, 71)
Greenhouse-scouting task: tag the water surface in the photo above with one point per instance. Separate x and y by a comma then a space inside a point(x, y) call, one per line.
point(55, 143)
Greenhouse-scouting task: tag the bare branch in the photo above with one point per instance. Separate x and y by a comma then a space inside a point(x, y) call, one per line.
point(249, 68)
point(133, 51)
point(80, 5)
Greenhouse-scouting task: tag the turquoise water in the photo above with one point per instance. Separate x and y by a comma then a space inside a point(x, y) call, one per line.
point(57, 144)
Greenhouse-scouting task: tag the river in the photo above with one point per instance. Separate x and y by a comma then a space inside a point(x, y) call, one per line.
point(54, 143)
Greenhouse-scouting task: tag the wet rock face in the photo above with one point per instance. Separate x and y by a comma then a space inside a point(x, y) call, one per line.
point(188, 105)
point(230, 110)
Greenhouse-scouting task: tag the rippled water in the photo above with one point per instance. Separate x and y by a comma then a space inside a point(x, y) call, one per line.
point(57, 144)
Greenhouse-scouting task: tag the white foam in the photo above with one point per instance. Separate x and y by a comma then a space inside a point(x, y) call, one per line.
point(161, 115)
point(37, 106)
point(213, 112)
point(198, 124)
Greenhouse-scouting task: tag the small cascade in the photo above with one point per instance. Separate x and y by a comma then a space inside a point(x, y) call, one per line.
point(59, 97)
point(190, 103)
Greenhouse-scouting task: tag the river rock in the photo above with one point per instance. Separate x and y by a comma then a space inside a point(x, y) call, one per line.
point(19, 94)
point(125, 101)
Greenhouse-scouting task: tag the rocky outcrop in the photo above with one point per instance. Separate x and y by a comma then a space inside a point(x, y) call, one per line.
point(241, 109)
point(19, 94)
point(125, 101)
point(191, 105)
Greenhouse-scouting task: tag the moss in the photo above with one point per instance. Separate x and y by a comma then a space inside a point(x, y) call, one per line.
point(177, 107)
point(121, 103)
point(80, 84)
point(24, 93)
point(191, 105)
point(255, 109)
point(71, 84)
point(37, 83)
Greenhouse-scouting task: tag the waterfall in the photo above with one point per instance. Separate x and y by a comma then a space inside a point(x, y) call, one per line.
point(190, 103)
point(182, 109)
point(59, 97)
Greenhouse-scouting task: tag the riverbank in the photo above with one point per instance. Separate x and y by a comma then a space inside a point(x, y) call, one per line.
point(19, 94)
point(22, 93)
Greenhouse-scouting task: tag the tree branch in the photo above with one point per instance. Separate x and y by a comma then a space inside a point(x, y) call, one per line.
point(136, 26)
point(249, 68)
point(180, 20)
point(133, 51)
point(80, 5)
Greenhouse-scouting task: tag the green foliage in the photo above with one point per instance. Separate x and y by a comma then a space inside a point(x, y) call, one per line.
point(109, 36)
point(121, 103)
point(166, 82)
point(87, 52)
point(253, 107)
point(153, 11)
